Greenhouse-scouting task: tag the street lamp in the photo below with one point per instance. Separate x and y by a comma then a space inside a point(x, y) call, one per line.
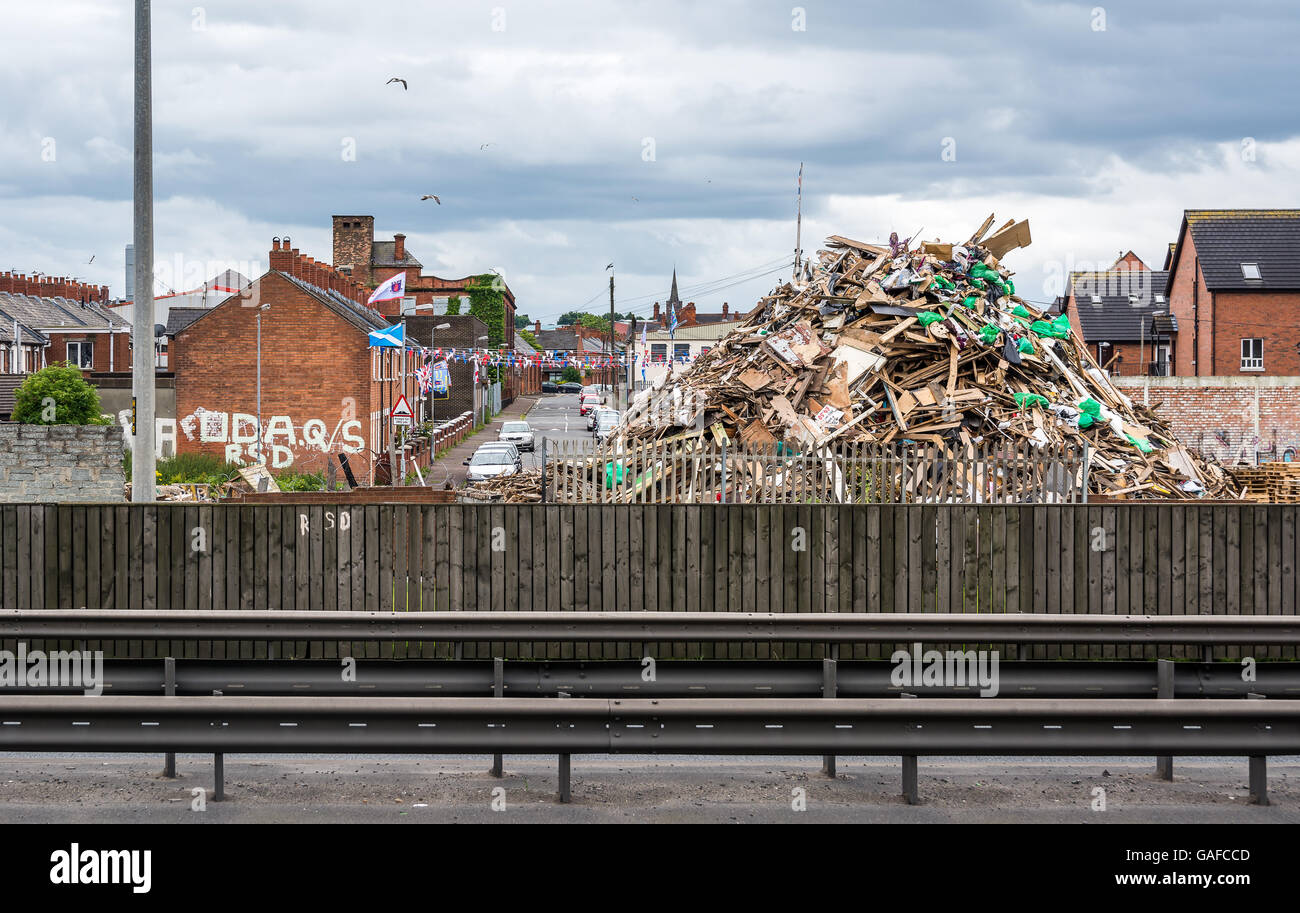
point(433, 402)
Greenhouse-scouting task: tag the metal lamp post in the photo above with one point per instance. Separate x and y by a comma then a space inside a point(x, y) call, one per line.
point(433, 400)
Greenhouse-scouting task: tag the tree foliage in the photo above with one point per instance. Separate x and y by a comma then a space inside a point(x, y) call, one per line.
point(57, 395)
point(487, 303)
point(570, 374)
point(453, 305)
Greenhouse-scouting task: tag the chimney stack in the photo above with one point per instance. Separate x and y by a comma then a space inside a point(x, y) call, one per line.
point(399, 247)
point(656, 310)
point(724, 310)
point(537, 326)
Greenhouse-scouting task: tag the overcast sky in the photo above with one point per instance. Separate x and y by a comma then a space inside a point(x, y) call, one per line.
point(650, 134)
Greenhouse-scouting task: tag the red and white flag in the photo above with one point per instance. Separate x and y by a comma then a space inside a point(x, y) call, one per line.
point(392, 289)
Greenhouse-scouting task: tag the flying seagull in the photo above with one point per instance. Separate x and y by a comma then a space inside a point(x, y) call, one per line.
point(483, 146)
point(397, 79)
point(610, 266)
point(91, 260)
point(635, 200)
point(429, 196)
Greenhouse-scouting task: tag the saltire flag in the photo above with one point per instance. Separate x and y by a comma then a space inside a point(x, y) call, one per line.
point(672, 324)
point(393, 337)
point(391, 290)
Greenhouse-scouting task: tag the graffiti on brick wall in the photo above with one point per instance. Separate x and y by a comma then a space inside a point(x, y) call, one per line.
point(1232, 448)
point(283, 440)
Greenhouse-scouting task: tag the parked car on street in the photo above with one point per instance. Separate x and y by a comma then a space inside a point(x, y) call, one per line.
point(571, 387)
point(518, 433)
point(588, 403)
point(491, 462)
point(550, 386)
point(593, 417)
point(606, 421)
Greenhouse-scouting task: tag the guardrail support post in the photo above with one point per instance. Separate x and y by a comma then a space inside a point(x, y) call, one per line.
point(1207, 654)
point(565, 792)
point(498, 690)
point(218, 771)
point(911, 791)
point(169, 689)
point(1165, 692)
point(1258, 765)
point(829, 687)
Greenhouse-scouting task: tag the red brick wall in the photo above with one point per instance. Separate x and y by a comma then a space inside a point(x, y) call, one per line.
point(1230, 418)
point(315, 380)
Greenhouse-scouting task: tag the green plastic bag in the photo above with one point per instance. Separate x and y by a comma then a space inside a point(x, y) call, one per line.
point(1144, 446)
point(1011, 287)
point(1021, 311)
point(613, 474)
point(969, 301)
point(1042, 328)
point(1028, 400)
point(1090, 406)
point(1062, 325)
point(928, 317)
point(989, 334)
point(943, 283)
point(1086, 419)
point(1025, 346)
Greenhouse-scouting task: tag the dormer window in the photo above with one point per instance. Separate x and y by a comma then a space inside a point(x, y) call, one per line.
point(1250, 271)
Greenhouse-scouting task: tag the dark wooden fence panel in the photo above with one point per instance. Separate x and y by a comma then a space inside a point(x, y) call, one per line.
point(1112, 559)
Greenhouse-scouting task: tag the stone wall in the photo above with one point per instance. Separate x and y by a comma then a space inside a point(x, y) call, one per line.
point(60, 463)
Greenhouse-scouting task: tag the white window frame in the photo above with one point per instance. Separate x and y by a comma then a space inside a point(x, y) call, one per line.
point(1252, 267)
point(1252, 362)
point(89, 347)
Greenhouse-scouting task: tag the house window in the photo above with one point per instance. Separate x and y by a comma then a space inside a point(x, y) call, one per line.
point(79, 353)
point(681, 351)
point(1250, 271)
point(1252, 354)
point(659, 351)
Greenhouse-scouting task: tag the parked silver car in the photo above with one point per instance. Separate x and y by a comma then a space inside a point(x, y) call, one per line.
point(491, 462)
point(518, 433)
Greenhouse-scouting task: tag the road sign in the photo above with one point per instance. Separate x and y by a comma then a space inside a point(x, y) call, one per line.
point(401, 413)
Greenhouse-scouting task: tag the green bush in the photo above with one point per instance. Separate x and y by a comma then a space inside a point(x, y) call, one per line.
point(186, 468)
point(570, 375)
point(298, 481)
point(62, 387)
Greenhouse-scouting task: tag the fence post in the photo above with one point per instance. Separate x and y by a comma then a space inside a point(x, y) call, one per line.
point(911, 790)
point(543, 470)
point(723, 492)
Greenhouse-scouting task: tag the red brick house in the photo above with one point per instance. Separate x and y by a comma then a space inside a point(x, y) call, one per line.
point(73, 320)
point(371, 262)
point(1123, 315)
point(324, 390)
point(1234, 288)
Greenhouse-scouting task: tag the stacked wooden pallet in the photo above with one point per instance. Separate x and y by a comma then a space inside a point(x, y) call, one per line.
point(1275, 483)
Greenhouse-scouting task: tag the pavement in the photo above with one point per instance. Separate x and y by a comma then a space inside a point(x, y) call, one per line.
point(67, 788)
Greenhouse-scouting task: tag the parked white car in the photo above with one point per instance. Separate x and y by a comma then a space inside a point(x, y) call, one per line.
point(518, 433)
point(491, 462)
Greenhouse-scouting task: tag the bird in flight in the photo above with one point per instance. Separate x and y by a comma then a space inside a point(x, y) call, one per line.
point(91, 260)
point(429, 196)
point(397, 79)
point(483, 146)
point(635, 200)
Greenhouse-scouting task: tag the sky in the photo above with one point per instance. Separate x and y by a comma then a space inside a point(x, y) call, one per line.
point(562, 136)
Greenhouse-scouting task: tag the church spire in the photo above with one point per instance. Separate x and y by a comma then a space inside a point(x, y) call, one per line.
point(673, 300)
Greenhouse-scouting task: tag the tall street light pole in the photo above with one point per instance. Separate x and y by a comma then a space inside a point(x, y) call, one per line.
point(144, 462)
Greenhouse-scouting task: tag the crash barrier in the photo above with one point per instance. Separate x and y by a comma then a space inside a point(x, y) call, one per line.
point(1115, 559)
point(834, 726)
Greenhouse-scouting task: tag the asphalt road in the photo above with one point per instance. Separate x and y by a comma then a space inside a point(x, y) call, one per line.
point(350, 788)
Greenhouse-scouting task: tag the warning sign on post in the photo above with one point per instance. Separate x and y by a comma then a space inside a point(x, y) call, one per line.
point(401, 413)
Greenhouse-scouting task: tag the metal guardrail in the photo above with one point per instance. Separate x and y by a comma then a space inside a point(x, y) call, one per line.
point(612, 679)
point(840, 726)
point(636, 627)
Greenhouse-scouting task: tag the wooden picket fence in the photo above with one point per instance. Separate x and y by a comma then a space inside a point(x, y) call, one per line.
point(699, 472)
point(1162, 559)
